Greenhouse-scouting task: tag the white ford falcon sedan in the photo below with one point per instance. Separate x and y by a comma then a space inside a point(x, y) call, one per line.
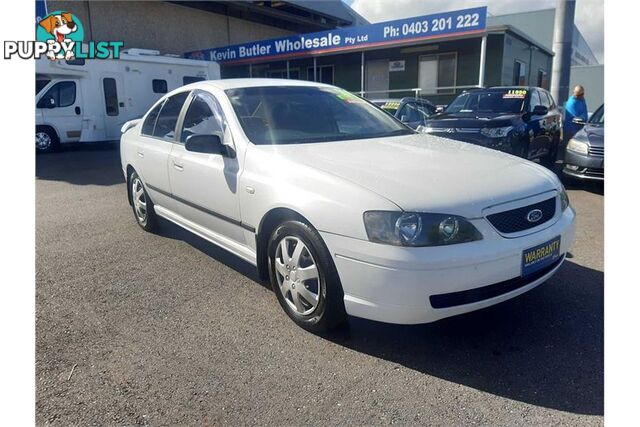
point(342, 207)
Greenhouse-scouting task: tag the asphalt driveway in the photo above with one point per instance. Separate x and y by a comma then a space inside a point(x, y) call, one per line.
point(168, 329)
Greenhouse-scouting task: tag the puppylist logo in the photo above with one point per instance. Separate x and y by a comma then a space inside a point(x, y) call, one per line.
point(60, 35)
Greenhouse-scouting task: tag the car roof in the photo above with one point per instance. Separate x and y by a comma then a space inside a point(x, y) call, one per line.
point(225, 84)
point(512, 88)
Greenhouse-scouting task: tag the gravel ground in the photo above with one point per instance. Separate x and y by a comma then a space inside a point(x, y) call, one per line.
point(166, 329)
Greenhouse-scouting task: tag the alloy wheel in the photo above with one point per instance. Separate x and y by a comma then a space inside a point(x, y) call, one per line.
point(297, 275)
point(139, 200)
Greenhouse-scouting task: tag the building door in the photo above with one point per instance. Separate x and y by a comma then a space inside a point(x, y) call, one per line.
point(377, 80)
point(437, 73)
point(428, 74)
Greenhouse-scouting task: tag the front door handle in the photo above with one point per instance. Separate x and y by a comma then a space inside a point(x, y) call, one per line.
point(178, 166)
point(140, 154)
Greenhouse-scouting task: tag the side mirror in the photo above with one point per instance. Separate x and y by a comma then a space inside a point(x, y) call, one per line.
point(208, 144)
point(578, 121)
point(440, 109)
point(540, 110)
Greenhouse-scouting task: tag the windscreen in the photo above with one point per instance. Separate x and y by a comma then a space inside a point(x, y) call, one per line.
point(598, 117)
point(303, 114)
point(40, 84)
point(494, 101)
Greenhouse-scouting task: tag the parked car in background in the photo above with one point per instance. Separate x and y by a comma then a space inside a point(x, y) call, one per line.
point(388, 105)
point(411, 111)
point(524, 121)
point(342, 207)
point(584, 154)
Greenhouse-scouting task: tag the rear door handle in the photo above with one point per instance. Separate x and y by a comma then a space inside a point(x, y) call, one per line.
point(178, 166)
point(140, 154)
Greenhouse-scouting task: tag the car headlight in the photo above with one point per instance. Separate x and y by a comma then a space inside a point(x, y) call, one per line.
point(579, 147)
point(418, 229)
point(496, 132)
point(564, 199)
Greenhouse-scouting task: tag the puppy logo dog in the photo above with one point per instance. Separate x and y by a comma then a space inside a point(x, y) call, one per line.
point(59, 26)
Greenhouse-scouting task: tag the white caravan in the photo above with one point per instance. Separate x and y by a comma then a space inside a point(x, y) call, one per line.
point(89, 100)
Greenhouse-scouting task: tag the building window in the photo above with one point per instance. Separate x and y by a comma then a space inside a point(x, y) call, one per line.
point(519, 73)
point(543, 79)
point(324, 74)
point(159, 86)
point(110, 96)
point(437, 73)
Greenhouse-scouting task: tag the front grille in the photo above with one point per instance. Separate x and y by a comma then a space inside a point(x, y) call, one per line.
point(453, 299)
point(515, 220)
point(596, 151)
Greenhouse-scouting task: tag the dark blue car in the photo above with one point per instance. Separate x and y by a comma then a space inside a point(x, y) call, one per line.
point(411, 111)
point(524, 121)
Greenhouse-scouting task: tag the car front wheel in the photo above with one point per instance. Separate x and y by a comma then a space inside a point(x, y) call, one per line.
point(46, 140)
point(304, 277)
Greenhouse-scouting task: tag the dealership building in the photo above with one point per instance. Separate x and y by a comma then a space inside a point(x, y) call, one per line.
point(435, 56)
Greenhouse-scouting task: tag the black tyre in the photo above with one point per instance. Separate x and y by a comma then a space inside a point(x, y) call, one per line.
point(304, 277)
point(549, 160)
point(46, 140)
point(141, 203)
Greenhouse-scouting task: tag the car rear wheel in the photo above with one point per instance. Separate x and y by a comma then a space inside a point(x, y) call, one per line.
point(142, 205)
point(304, 277)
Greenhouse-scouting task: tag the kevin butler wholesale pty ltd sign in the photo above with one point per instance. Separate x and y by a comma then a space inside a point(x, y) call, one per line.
point(439, 25)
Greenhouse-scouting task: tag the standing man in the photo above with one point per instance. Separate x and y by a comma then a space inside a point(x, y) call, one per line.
point(575, 107)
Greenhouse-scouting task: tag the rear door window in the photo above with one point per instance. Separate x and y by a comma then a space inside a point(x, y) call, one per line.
point(168, 118)
point(150, 122)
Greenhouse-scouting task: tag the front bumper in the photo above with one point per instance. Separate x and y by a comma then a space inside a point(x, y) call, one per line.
point(583, 167)
point(395, 284)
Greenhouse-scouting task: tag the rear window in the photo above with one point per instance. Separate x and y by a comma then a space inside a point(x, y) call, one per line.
point(489, 101)
point(168, 118)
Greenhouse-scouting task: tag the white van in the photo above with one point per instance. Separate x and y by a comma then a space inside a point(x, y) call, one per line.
point(90, 100)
